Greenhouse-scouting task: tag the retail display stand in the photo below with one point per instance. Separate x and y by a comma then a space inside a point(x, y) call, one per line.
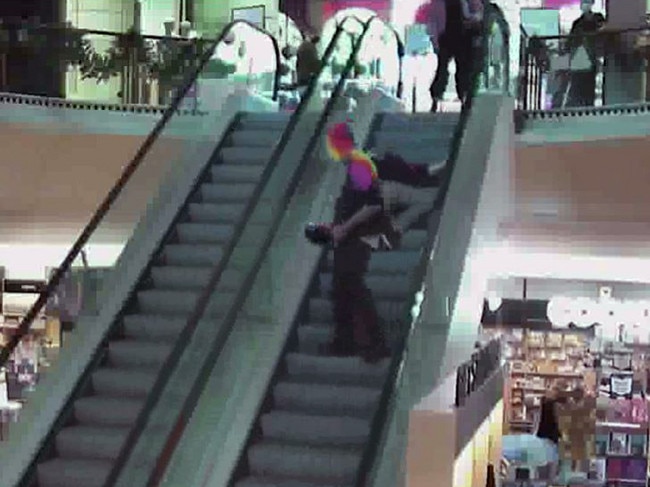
point(538, 361)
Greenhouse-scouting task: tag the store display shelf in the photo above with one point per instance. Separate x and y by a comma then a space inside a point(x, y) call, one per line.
point(553, 375)
point(618, 428)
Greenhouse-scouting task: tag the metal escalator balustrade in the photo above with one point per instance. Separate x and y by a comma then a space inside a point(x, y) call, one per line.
point(169, 265)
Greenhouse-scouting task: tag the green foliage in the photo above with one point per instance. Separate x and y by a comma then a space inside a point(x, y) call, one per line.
point(165, 60)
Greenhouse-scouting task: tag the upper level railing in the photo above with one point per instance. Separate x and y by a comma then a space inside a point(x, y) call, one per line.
point(599, 69)
point(61, 61)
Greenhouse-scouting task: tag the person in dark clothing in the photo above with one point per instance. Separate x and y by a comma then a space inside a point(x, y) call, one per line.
point(307, 61)
point(540, 449)
point(359, 214)
point(583, 83)
point(457, 42)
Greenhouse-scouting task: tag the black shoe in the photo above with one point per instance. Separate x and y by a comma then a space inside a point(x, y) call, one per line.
point(434, 106)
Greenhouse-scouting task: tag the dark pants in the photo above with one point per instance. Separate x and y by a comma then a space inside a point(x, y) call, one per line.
point(459, 48)
point(583, 89)
point(392, 167)
point(356, 320)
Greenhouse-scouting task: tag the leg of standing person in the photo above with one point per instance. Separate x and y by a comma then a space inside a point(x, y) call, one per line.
point(357, 328)
point(590, 88)
point(463, 55)
point(441, 79)
point(348, 266)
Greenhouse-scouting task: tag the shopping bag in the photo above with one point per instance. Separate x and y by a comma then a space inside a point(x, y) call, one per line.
point(580, 60)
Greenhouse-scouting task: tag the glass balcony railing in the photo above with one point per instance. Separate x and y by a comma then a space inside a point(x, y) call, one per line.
point(603, 68)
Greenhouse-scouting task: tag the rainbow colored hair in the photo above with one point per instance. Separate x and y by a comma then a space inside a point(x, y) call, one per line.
point(342, 148)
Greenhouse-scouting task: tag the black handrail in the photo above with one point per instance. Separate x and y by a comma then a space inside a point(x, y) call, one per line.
point(378, 424)
point(600, 33)
point(230, 319)
point(115, 191)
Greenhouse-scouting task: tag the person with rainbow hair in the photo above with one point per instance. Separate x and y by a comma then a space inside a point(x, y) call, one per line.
point(360, 226)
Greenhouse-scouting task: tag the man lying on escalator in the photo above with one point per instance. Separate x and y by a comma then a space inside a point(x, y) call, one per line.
point(361, 225)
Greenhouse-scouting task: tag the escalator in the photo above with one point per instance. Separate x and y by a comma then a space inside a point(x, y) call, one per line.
point(320, 420)
point(317, 426)
point(190, 283)
point(164, 298)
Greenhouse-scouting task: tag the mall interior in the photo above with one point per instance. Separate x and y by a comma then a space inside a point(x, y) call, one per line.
point(165, 321)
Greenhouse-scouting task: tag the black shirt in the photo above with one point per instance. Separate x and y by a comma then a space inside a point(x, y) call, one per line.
point(548, 427)
point(454, 18)
point(586, 24)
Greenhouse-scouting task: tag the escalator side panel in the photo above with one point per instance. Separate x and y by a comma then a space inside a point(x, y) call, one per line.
point(56, 387)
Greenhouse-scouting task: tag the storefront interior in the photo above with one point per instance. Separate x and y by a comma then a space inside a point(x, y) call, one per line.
point(574, 336)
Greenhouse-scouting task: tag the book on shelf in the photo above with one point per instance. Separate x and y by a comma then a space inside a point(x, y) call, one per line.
point(619, 444)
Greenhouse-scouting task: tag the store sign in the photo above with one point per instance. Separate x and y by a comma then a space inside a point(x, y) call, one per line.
point(620, 386)
point(471, 375)
point(607, 312)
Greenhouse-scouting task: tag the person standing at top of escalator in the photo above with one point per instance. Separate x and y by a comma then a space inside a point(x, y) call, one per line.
point(307, 61)
point(458, 42)
point(583, 83)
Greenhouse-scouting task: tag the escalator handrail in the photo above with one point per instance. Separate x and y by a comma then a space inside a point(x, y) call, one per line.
point(229, 321)
point(401, 50)
point(129, 170)
point(378, 425)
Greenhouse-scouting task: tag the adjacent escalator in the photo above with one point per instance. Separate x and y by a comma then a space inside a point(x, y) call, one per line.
point(87, 447)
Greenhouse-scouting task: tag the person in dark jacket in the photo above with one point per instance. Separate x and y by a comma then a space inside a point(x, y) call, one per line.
point(359, 215)
point(307, 61)
point(583, 83)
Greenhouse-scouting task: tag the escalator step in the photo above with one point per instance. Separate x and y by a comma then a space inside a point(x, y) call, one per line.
point(216, 213)
point(225, 173)
point(204, 233)
point(310, 429)
point(266, 482)
point(226, 193)
point(329, 465)
point(192, 255)
point(73, 473)
point(326, 399)
point(138, 353)
point(91, 442)
point(335, 370)
point(153, 327)
point(106, 411)
point(114, 382)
